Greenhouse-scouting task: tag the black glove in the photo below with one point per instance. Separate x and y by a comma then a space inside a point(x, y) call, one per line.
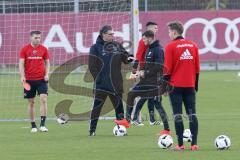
point(164, 86)
point(130, 58)
point(135, 64)
point(166, 78)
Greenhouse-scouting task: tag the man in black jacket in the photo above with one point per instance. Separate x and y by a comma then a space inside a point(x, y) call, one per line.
point(105, 59)
point(148, 87)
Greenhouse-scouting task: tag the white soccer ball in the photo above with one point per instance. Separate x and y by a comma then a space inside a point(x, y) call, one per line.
point(62, 118)
point(119, 130)
point(187, 136)
point(165, 141)
point(222, 142)
point(238, 74)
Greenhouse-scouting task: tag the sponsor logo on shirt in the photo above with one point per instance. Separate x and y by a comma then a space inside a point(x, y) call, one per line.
point(186, 55)
point(184, 45)
point(35, 57)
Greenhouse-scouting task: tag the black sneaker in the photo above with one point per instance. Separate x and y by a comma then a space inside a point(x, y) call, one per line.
point(137, 123)
point(92, 133)
point(155, 123)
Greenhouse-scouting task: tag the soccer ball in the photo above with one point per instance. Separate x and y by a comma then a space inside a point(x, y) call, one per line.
point(119, 130)
point(62, 118)
point(187, 136)
point(165, 141)
point(222, 142)
point(238, 74)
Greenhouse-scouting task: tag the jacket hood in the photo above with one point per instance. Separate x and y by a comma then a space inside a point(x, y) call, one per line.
point(99, 40)
point(154, 44)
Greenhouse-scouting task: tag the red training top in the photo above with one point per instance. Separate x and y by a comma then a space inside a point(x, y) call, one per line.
point(34, 61)
point(141, 52)
point(182, 62)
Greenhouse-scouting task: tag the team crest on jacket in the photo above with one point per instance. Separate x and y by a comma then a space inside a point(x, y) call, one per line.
point(34, 51)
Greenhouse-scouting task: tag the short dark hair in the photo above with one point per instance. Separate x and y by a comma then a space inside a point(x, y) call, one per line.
point(105, 29)
point(148, 34)
point(35, 32)
point(177, 26)
point(150, 23)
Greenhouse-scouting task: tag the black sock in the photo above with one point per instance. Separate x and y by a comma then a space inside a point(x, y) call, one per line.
point(129, 113)
point(43, 118)
point(151, 110)
point(33, 125)
point(119, 116)
point(179, 128)
point(137, 112)
point(151, 116)
point(193, 123)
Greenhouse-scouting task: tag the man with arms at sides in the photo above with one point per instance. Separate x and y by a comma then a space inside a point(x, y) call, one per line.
point(34, 68)
point(137, 70)
point(182, 71)
point(148, 86)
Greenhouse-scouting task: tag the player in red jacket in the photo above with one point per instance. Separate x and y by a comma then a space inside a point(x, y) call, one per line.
point(182, 71)
point(138, 71)
point(34, 69)
point(142, 48)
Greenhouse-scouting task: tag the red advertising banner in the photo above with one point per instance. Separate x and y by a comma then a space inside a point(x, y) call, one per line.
point(67, 34)
point(216, 33)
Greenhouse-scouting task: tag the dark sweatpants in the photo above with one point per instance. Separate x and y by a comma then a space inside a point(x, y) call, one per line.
point(187, 96)
point(143, 91)
point(147, 92)
point(139, 106)
point(157, 102)
point(99, 99)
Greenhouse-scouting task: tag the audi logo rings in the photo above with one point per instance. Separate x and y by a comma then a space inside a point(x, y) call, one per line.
point(209, 26)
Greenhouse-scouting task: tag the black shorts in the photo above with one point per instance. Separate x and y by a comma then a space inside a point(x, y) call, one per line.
point(37, 86)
